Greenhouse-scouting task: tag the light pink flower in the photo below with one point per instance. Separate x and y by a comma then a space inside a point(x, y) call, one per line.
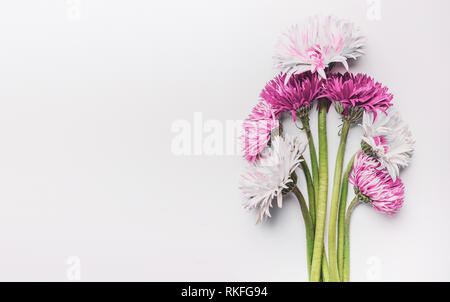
point(257, 129)
point(322, 41)
point(273, 174)
point(374, 185)
point(389, 139)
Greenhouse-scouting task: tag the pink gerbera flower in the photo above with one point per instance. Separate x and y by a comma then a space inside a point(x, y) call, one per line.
point(298, 92)
point(375, 186)
point(354, 94)
point(257, 129)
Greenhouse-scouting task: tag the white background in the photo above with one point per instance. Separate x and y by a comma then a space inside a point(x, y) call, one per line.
point(89, 185)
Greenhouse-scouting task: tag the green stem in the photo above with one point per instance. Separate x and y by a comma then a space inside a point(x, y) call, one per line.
point(321, 209)
point(350, 209)
point(308, 226)
point(325, 270)
point(341, 218)
point(311, 202)
point(313, 156)
point(332, 250)
point(310, 186)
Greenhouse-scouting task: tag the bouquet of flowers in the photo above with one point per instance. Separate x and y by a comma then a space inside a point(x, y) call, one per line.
point(305, 58)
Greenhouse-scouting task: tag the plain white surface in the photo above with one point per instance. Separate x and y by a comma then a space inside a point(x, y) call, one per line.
point(89, 91)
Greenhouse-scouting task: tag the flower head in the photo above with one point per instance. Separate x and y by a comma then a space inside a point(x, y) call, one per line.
point(354, 94)
point(298, 92)
point(272, 175)
point(389, 139)
point(322, 41)
point(374, 185)
point(257, 129)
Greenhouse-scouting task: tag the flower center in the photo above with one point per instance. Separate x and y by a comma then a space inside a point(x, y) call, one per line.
point(316, 56)
point(380, 142)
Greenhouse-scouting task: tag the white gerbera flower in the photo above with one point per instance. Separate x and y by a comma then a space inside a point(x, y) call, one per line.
point(322, 41)
point(272, 174)
point(389, 139)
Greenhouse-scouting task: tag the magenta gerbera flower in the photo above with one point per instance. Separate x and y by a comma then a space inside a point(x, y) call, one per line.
point(289, 96)
point(354, 94)
point(257, 129)
point(374, 185)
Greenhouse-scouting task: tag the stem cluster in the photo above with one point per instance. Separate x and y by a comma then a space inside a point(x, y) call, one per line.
point(315, 212)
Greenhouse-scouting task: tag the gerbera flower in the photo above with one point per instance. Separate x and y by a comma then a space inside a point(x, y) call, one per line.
point(296, 93)
point(257, 129)
point(354, 94)
point(389, 139)
point(272, 175)
point(375, 186)
point(322, 41)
